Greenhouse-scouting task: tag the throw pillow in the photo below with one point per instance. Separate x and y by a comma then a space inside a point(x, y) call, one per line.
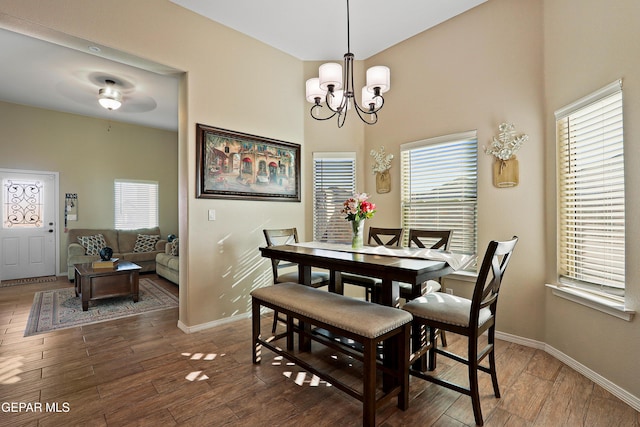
point(174, 247)
point(146, 243)
point(92, 244)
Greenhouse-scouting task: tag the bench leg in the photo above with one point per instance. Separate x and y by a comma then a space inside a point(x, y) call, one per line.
point(255, 331)
point(403, 366)
point(369, 384)
point(290, 333)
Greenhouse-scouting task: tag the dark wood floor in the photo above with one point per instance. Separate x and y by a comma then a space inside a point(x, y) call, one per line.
point(143, 370)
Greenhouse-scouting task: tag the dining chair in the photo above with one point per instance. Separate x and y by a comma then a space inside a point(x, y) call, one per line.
point(285, 236)
point(467, 317)
point(433, 239)
point(382, 237)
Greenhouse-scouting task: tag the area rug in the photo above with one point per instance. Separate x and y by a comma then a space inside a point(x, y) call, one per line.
point(27, 281)
point(62, 309)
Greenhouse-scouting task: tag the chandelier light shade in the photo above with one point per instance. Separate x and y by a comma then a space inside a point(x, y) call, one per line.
point(109, 97)
point(335, 90)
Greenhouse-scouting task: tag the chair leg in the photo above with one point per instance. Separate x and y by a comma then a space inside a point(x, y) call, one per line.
point(275, 322)
point(443, 338)
point(255, 332)
point(418, 340)
point(434, 344)
point(473, 380)
point(492, 362)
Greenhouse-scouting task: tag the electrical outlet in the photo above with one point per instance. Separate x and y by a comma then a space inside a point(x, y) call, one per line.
point(449, 291)
point(212, 214)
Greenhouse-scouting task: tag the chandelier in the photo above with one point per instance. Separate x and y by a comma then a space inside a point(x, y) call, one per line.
point(335, 87)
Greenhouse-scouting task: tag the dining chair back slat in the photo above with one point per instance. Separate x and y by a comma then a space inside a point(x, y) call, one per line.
point(385, 236)
point(434, 239)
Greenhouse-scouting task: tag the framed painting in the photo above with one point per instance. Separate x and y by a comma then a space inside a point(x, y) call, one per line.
point(236, 165)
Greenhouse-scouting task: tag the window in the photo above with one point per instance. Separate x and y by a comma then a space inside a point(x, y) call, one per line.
point(591, 204)
point(136, 204)
point(23, 203)
point(439, 187)
point(334, 181)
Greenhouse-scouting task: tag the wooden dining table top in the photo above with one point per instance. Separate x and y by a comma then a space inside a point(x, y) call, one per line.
point(386, 267)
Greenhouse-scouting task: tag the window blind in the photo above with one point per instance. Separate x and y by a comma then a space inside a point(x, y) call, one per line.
point(136, 204)
point(334, 181)
point(439, 187)
point(591, 191)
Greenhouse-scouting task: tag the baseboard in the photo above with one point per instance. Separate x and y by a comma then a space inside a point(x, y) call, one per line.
point(612, 388)
point(203, 326)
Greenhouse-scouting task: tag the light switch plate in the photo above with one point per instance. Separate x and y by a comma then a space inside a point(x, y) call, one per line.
point(212, 214)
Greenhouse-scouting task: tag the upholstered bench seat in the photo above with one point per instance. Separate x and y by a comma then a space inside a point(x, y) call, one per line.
point(359, 317)
point(361, 321)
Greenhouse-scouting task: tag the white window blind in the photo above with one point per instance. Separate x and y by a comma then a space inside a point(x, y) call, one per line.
point(136, 204)
point(591, 191)
point(439, 187)
point(334, 181)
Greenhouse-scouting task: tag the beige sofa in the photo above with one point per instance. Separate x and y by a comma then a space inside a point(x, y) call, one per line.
point(168, 262)
point(121, 241)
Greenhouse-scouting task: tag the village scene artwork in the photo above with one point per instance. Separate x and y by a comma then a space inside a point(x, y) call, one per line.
point(245, 166)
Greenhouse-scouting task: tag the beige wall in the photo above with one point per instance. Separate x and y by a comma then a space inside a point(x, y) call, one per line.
point(474, 72)
point(589, 44)
point(89, 154)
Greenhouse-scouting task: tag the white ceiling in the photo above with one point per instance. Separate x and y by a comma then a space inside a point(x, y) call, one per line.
point(317, 30)
point(65, 74)
point(47, 75)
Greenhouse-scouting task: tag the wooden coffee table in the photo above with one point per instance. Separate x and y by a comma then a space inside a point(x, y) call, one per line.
point(93, 284)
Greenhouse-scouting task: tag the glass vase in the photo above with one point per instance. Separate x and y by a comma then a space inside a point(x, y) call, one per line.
point(357, 240)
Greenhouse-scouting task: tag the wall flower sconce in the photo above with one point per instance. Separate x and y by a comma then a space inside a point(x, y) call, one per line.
point(506, 169)
point(380, 168)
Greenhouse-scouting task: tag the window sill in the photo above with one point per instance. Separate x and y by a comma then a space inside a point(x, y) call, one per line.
point(605, 305)
point(463, 276)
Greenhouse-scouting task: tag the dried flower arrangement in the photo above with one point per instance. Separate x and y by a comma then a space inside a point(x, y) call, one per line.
point(382, 161)
point(507, 143)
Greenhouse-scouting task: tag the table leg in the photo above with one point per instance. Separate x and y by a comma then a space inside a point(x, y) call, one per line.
point(135, 286)
point(85, 284)
point(335, 282)
point(390, 294)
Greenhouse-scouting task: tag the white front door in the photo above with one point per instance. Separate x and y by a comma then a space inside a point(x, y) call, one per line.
point(28, 226)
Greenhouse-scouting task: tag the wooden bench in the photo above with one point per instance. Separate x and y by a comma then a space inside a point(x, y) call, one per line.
point(363, 322)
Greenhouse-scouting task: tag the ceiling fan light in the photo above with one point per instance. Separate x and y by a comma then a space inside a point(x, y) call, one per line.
point(109, 103)
point(109, 97)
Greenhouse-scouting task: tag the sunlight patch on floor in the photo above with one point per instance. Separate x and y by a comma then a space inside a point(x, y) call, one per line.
point(10, 369)
point(199, 375)
point(301, 379)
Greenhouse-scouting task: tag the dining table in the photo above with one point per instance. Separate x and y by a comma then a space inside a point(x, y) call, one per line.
point(390, 264)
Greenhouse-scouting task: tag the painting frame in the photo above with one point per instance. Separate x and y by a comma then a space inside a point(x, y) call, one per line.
point(240, 166)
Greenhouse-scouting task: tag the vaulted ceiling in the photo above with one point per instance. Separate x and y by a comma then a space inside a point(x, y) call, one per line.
point(66, 76)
